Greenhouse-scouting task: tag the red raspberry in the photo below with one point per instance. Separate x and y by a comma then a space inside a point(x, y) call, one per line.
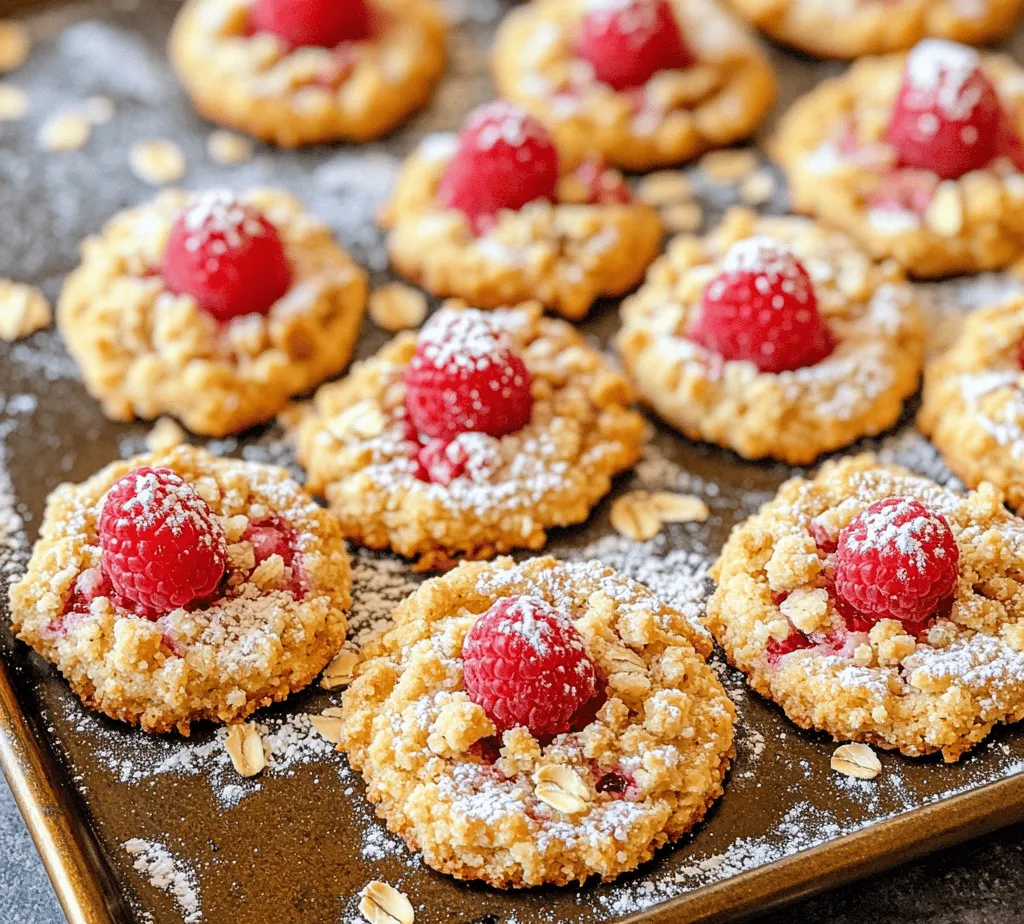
point(271, 537)
point(465, 378)
point(947, 117)
point(504, 159)
point(897, 560)
point(441, 461)
point(628, 41)
point(162, 547)
point(606, 187)
point(762, 308)
point(525, 664)
point(795, 641)
point(227, 256)
point(325, 23)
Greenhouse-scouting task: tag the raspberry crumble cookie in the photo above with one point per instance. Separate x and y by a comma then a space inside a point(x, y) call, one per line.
point(179, 587)
point(296, 72)
point(852, 28)
point(215, 309)
point(473, 438)
point(874, 605)
point(498, 216)
point(773, 337)
point(973, 404)
point(647, 83)
point(538, 723)
point(919, 156)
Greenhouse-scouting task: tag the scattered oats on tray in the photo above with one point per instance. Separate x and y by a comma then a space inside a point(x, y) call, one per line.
point(68, 131)
point(224, 147)
point(641, 515)
point(728, 166)
point(856, 760)
point(380, 903)
point(396, 307)
point(245, 748)
point(157, 161)
point(23, 310)
point(14, 102)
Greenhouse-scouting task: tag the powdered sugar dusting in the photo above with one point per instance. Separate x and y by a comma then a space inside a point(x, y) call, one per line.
point(167, 873)
point(941, 70)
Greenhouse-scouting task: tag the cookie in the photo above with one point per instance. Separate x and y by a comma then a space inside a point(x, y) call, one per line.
point(636, 766)
point(854, 28)
point(647, 83)
point(474, 438)
point(299, 72)
point(499, 216)
point(919, 157)
point(773, 337)
point(876, 606)
point(972, 408)
point(214, 309)
point(179, 587)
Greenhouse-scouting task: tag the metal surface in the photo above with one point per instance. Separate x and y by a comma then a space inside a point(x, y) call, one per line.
point(299, 844)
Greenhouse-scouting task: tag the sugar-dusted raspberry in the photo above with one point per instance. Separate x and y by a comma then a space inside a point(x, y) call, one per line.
point(628, 41)
point(466, 378)
point(162, 547)
point(227, 256)
point(526, 665)
point(270, 537)
point(761, 308)
point(604, 186)
point(897, 560)
point(324, 23)
point(947, 117)
point(505, 159)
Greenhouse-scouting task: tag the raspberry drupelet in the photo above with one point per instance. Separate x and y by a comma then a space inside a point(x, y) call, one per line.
point(897, 560)
point(947, 118)
point(627, 42)
point(226, 255)
point(526, 665)
point(762, 308)
point(322, 23)
point(505, 159)
point(466, 378)
point(162, 546)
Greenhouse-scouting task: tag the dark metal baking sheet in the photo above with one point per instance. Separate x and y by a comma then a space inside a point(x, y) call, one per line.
point(298, 844)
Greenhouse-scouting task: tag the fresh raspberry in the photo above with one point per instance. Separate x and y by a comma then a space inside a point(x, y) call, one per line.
point(947, 117)
point(324, 23)
point(897, 560)
point(271, 537)
point(762, 308)
point(227, 256)
point(628, 41)
point(905, 191)
point(162, 547)
point(441, 461)
point(465, 378)
point(525, 664)
point(505, 158)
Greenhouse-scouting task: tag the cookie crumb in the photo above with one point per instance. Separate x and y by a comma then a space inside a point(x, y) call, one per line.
point(396, 307)
point(228, 148)
point(856, 760)
point(758, 188)
point(68, 131)
point(157, 161)
point(383, 904)
point(665, 187)
point(13, 102)
point(15, 45)
point(23, 310)
point(684, 218)
point(245, 748)
point(166, 434)
point(728, 166)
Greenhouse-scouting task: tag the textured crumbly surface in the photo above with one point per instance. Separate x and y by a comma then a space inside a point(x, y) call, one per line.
point(795, 416)
point(667, 726)
point(352, 441)
point(676, 116)
point(973, 406)
point(145, 352)
point(292, 98)
point(852, 28)
point(942, 691)
point(972, 224)
point(563, 254)
point(254, 645)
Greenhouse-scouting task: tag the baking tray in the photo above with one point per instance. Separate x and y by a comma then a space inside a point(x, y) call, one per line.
point(298, 843)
